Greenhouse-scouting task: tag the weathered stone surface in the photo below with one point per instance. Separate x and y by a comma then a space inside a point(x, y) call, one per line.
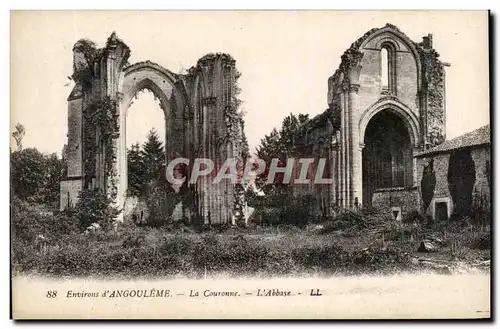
point(356, 95)
point(201, 115)
point(481, 156)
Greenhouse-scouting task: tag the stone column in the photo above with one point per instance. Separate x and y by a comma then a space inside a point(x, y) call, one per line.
point(414, 164)
point(338, 195)
point(355, 163)
point(360, 191)
point(347, 145)
point(333, 171)
point(121, 151)
point(343, 151)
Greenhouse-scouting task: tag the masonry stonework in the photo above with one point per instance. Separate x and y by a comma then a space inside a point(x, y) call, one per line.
point(374, 125)
point(201, 118)
point(481, 164)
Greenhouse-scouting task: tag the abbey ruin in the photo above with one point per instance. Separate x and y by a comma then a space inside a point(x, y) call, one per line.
point(386, 105)
point(201, 120)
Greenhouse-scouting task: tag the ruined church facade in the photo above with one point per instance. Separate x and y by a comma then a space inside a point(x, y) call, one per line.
point(201, 120)
point(386, 103)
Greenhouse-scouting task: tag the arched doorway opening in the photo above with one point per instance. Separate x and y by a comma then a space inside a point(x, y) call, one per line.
point(387, 155)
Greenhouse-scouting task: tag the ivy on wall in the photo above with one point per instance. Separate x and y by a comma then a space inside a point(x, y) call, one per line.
point(433, 83)
point(84, 52)
point(103, 114)
point(428, 184)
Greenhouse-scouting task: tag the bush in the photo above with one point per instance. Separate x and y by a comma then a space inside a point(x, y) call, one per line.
point(482, 241)
point(35, 177)
point(414, 216)
point(342, 221)
point(94, 206)
point(289, 209)
point(160, 202)
point(30, 222)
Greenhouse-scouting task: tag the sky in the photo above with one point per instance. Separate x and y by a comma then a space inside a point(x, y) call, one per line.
point(285, 59)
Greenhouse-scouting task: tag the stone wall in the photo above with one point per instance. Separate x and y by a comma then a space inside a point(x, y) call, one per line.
point(404, 199)
point(355, 95)
point(481, 157)
point(407, 74)
point(75, 130)
point(202, 120)
point(69, 192)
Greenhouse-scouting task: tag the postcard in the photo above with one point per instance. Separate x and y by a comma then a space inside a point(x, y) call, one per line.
point(250, 165)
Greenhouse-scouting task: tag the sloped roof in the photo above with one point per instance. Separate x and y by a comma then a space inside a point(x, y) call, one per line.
point(477, 137)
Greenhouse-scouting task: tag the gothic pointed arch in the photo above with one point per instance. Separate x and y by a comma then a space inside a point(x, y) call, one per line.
point(409, 118)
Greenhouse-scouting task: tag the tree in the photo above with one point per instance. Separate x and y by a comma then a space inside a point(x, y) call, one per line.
point(36, 177)
point(279, 145)
point(19, 135)
point(135, 166)
point(27, 174)
point(153, 156)
point(428, 184)
point(280, 205)
point(55, 172)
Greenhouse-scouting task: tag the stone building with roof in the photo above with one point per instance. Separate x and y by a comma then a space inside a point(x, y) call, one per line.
point(455, 176)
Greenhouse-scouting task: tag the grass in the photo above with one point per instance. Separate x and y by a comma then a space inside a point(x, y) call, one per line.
point(374, 245)
point(157, 253)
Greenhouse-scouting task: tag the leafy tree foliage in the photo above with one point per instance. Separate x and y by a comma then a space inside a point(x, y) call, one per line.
point(279, 205)
point(279, 144)
point(160, 201)
point(19, 135)
point(35, 177)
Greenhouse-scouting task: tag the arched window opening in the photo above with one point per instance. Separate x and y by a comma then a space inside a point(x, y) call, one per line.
point(385, 68)
point(388, 68)
point(145, 142)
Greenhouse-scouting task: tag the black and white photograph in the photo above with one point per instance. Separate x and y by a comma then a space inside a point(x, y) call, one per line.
point(250, 164)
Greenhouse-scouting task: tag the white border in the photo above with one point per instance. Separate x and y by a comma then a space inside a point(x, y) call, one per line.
point(185, 4)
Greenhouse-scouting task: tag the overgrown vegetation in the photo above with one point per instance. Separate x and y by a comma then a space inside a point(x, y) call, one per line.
point(156, 252)
point(35, 177)
point(428, 184)
point(94, 206)
point(144, 164)
point(54, 244)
